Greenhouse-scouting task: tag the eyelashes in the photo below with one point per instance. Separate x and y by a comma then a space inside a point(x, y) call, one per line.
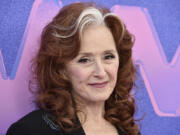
point(110, 56)
point(84, 60)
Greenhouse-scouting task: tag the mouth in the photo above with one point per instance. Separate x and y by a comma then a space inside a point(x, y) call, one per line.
point(99, 85)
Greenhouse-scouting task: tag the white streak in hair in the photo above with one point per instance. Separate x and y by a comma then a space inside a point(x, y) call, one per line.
point(64, 29)
point(90, 16)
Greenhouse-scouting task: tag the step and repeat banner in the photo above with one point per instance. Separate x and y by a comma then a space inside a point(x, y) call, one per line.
point(156, 27)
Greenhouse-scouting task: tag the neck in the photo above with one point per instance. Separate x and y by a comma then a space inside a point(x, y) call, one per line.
point(91, 112)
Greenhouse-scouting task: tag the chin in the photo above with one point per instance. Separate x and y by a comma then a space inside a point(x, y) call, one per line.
point(99, 98)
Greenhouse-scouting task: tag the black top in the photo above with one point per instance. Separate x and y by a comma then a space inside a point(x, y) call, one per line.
point(39, 123)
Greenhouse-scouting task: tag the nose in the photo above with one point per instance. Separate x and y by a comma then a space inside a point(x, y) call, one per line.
point(99, 70)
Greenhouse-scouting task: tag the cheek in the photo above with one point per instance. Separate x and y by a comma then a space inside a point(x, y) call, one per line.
point(78, 75)
point(113, 70)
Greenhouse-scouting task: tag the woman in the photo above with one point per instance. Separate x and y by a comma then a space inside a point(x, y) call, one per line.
point(85, 73)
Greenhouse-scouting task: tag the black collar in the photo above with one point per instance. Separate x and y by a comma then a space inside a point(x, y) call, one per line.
point(49, 119)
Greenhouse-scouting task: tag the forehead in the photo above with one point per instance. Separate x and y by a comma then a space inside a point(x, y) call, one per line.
point(96, 39)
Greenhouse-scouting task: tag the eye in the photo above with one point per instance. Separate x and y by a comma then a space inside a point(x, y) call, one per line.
point(109, 56)
point(83, 60)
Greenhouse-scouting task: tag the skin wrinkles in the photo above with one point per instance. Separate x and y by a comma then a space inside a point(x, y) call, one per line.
point(96, 63)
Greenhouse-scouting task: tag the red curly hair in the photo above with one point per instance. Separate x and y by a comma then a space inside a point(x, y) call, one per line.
point(60, 43)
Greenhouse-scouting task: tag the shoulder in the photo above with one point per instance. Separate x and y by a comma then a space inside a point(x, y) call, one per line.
point(32, 117)
point(34, 123)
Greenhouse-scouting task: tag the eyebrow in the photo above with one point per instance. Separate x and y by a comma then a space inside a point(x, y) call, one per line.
point(110, 51)
point(90, 54)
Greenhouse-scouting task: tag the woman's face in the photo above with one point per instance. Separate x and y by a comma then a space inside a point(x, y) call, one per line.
point(93, 73)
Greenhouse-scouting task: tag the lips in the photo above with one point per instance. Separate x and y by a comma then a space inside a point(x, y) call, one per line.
point(98, 85)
